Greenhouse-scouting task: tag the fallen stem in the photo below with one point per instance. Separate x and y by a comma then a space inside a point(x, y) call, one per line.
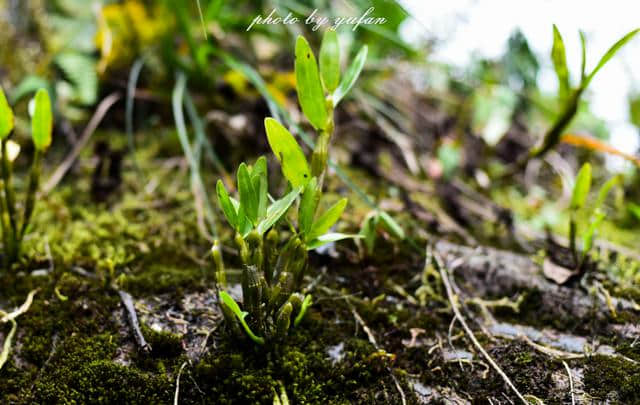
point(452, 299)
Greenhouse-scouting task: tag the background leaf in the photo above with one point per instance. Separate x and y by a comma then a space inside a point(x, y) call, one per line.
point(581, 188)
point(609, 54)
point(308, 86)
point(294, 165)
point(42, 121)
point(330, 61)
point(328, 238)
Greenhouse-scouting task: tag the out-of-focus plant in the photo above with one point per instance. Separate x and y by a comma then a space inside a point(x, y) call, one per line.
point(274, 261)
point(377, 221)
point(14, 229)
point(569, 96)
point(579, 210)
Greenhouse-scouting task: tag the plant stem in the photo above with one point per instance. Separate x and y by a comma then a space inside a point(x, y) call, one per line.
point(4, 222)
point(9, 203)
point(34, 181)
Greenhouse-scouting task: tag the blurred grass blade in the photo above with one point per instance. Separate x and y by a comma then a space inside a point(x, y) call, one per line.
point(308, 85)
point(328, 238)
point(201, 198)
point(351, 75)
point(391, 225)
point(330, 61)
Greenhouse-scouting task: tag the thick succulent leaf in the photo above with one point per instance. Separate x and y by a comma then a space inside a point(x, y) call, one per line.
point(308, 205)
point(581, 187)
point(330, 61)
point(559, 57)
point(42, 121)
point(241, 315)
point(294, 165)
point(328, 238)
point(248, 195)
point(351, 75)
point(225, 203)
point(326, 220)
point(6, 116)
point(609, 54)
point(277, 210)
point(308, 85)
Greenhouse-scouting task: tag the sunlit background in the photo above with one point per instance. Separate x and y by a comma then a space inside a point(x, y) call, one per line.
point(465, 29)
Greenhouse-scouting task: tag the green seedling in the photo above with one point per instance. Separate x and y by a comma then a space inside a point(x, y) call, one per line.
point(376, 221)
point(578, 209)
point(569, 95)
point(13, 230)
point(274, 258)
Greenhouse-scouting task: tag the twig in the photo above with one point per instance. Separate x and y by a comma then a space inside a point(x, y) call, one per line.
point(127, 301)
point(95, 120)
point(573, 398)
point(175, 397)
point(456, 311)
point(11, 317)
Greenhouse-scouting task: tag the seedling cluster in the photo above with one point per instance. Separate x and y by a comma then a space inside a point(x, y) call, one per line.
point(14, 229)
point(274, 258)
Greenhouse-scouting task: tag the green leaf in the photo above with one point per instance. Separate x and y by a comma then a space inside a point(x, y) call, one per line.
point(330, 60)
point(581, 188)
point(634, 109)
point(6, 116)
point(233, 306)
point(308, 86)
point(368, 230)
point(326, 220)
point(583, 63)
point(261, 185)
point(609, 54)
point(306, 303)
point(225, 203)
point(277, 210)
point(308, 205)
point(604, 190)
point(294, 165)
point(587, 239)
point(559, 57)
point(42, 121)
point(351, 75)
point(328, 238)
point(634, 209)
point(391, 225)
point(248, 195)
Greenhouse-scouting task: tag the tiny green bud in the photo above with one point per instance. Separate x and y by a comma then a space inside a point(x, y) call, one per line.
point(254, 244)
point(216, 252)
point(243, 250)
point(283, 320)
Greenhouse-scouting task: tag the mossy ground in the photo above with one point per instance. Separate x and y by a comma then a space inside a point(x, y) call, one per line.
point(75, 345)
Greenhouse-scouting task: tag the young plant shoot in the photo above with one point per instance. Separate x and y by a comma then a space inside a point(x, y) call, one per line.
point(14, 229)
point(578, 209)
point(275, 260)
point(569, 96)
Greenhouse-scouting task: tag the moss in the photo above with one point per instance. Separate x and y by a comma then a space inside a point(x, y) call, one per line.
point(605, 377)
